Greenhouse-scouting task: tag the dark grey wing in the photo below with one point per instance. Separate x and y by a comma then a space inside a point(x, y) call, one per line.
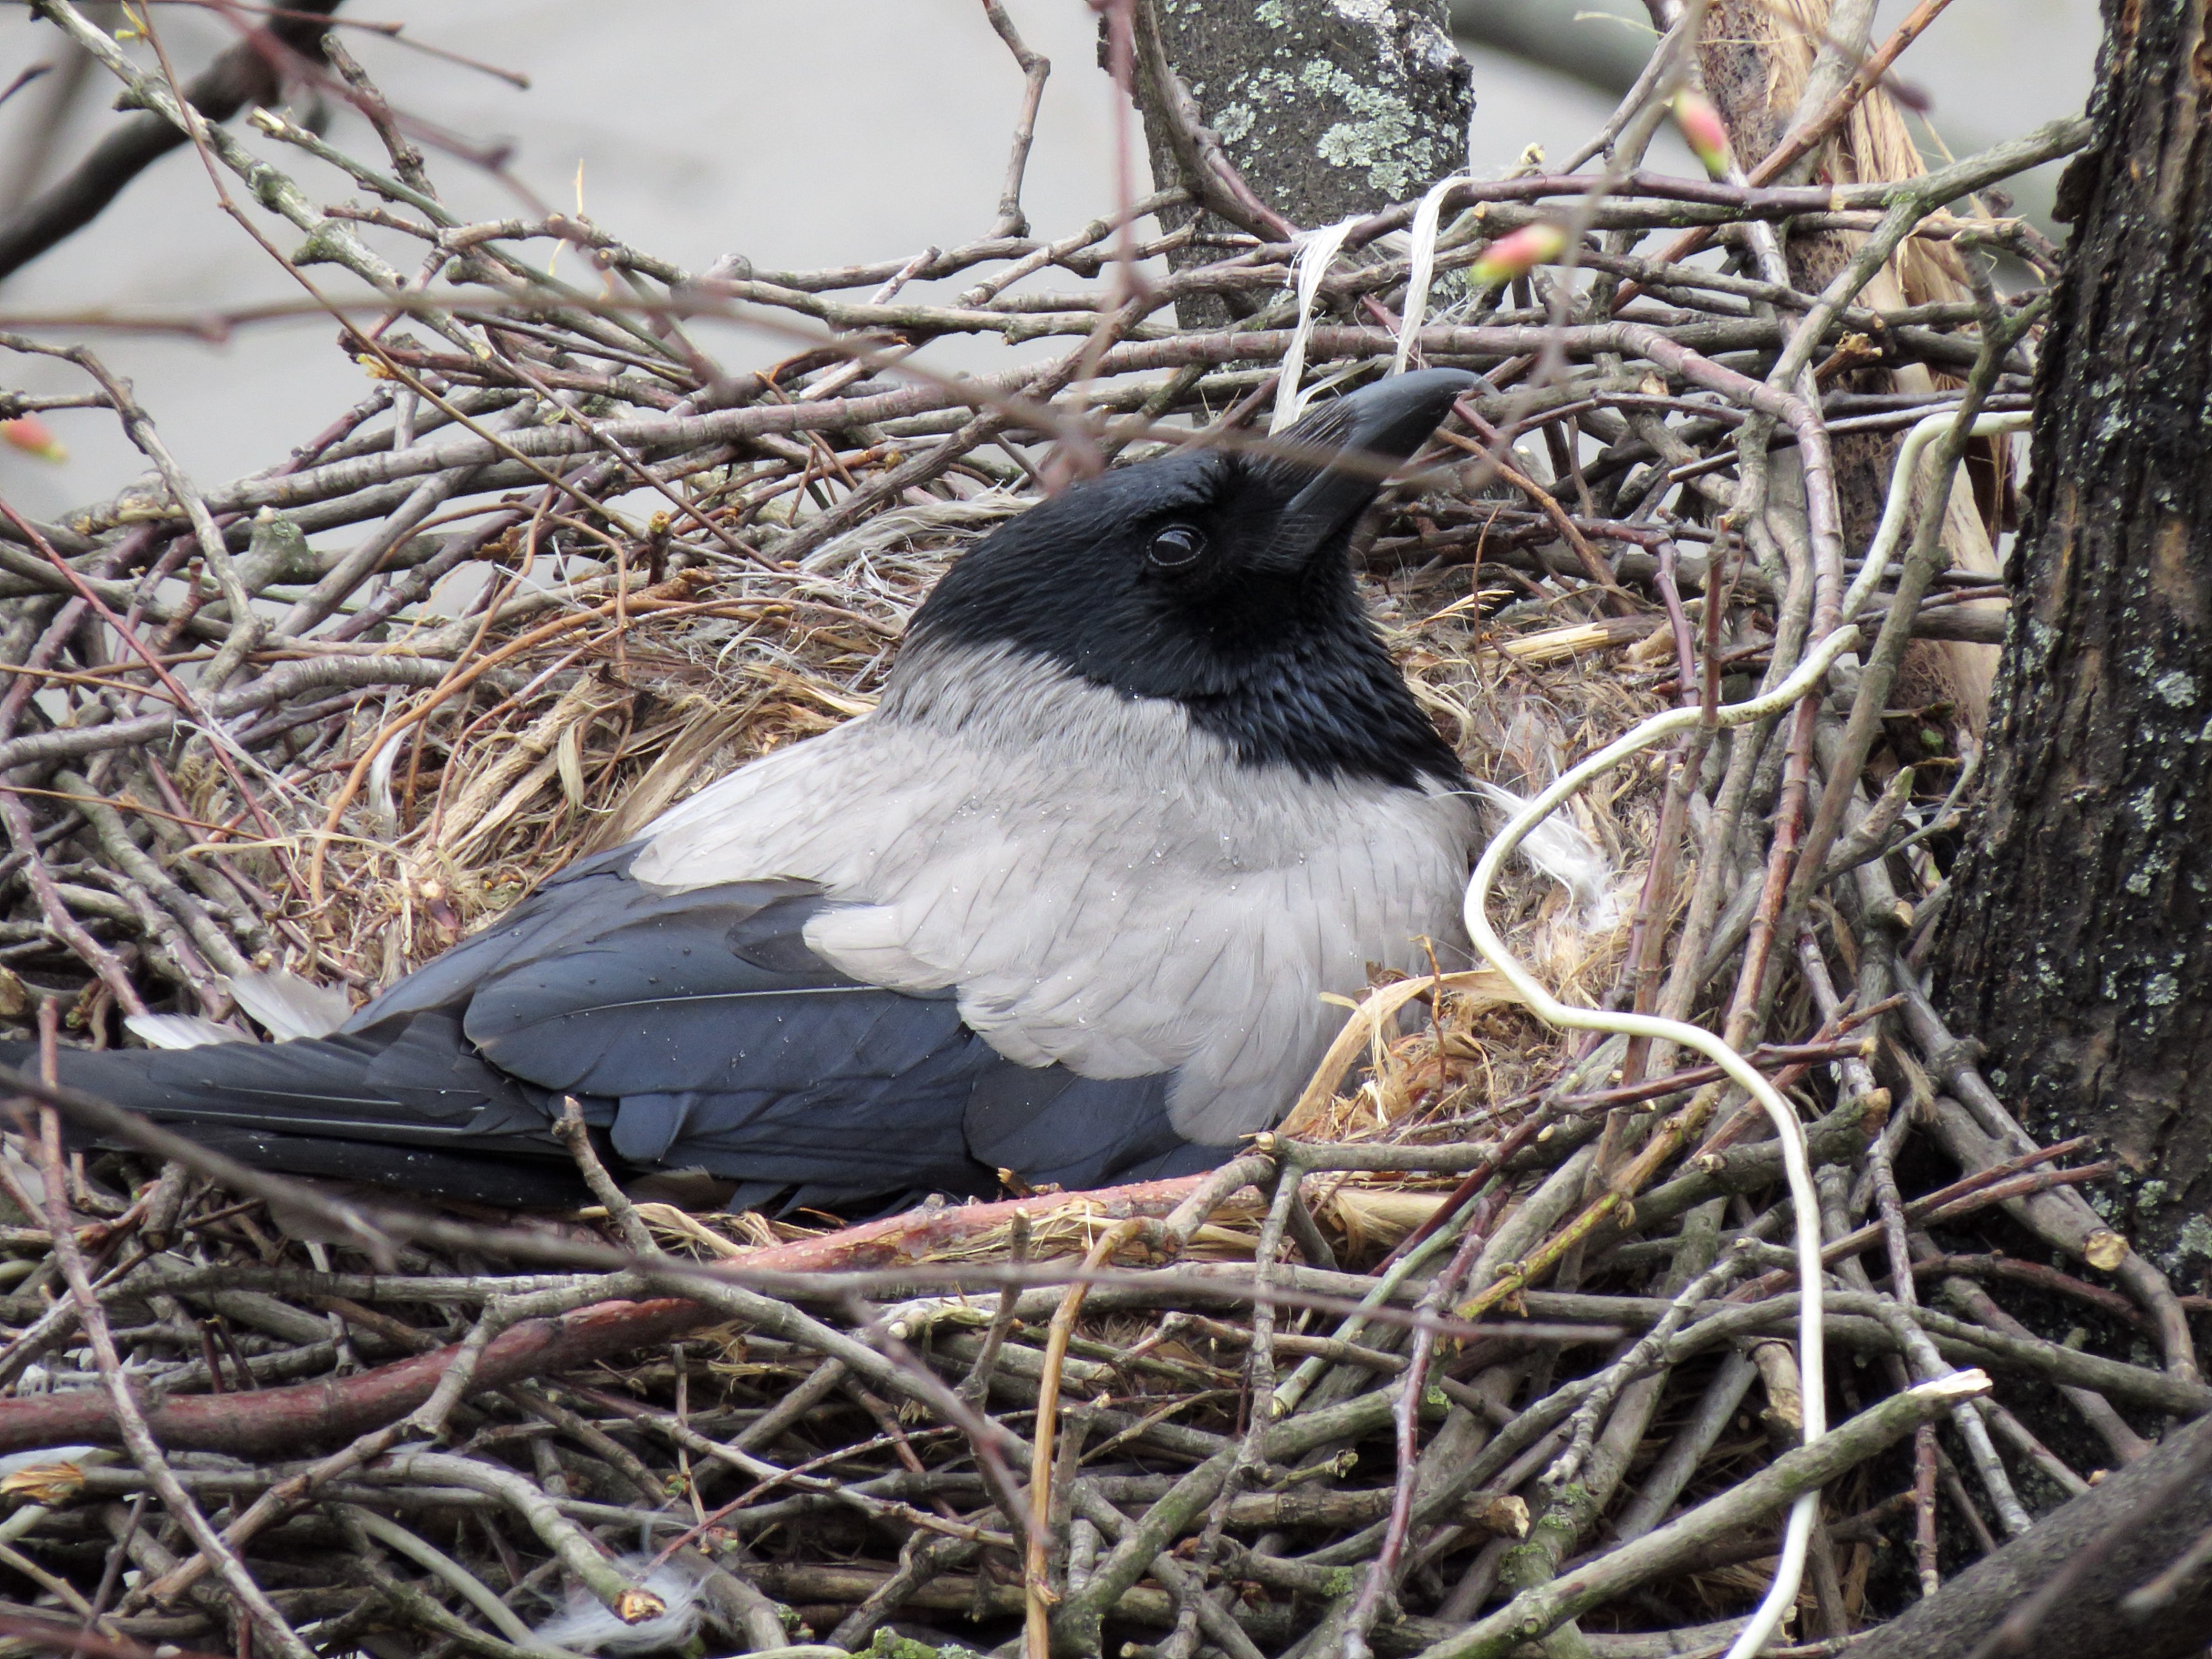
point(722, 1043)
point(1058, 1129)
point(698, 1029)
point(590, 898)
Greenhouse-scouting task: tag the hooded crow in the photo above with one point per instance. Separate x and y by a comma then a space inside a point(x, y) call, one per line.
point(1143, 793)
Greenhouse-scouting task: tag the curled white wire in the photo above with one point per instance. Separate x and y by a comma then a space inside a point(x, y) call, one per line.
point(1895, 510)
point(1317, 251)
point(1788, 1570)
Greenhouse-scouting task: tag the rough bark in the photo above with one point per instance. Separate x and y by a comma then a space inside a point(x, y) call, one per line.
point(2121, 1535)
point(2080, 948)
point(1328, 107)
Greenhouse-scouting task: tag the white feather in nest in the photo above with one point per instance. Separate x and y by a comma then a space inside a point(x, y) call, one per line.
point(288, 1007)
point(181, 1031)
point(16, 1462)
point(1556, 848)
point(285, 1006)
point(1525, 736)
point(587, 1626)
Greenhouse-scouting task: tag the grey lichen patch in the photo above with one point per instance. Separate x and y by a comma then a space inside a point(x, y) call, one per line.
point(888, 1645)
point(2145, 875)
point(2176, 689)
point(2194, 1240)
point(1368, 89)
point(2162, 991)
point(1329, 107)
point(1381, 134)
point(2047, 971)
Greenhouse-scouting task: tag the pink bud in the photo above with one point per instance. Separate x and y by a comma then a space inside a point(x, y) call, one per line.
point(33, 437)
point(1508, 257)
point(1706, 134)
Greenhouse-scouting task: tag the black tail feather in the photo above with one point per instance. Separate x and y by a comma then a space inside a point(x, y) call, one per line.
point(406, 1105)
point(517, 1183)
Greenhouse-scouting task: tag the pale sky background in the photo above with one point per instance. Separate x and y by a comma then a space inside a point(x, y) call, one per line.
point(821, 132)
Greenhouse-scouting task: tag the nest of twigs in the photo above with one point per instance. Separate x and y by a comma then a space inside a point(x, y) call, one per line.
point(1410, 1376)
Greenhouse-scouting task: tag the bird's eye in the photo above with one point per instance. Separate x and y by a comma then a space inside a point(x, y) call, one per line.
point(1177, 545)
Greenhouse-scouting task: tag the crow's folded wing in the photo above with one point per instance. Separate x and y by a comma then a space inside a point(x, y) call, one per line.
point(698, 1029)
point(723, 1042)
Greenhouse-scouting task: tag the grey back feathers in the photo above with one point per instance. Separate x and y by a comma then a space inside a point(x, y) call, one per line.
point(1099, 882)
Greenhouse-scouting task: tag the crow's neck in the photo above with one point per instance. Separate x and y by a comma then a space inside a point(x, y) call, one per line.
point(1328, 709)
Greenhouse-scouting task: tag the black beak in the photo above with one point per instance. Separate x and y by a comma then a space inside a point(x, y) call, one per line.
point(1369, 433)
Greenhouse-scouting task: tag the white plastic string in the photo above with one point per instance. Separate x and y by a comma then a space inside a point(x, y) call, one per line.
point(1789, 1570)
point(1317, 251)
point(1426, 219)
point(1893, 510)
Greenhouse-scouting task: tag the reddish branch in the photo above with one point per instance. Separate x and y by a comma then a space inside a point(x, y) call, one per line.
point(273, 1422)
point(282, 1422)
point(901, 1239)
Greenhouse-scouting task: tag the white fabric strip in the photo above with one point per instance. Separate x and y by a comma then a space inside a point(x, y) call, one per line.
point(1317, 251)
point(1426, 217)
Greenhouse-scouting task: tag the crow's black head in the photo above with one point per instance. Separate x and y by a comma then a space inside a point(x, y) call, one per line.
point(1220, 580)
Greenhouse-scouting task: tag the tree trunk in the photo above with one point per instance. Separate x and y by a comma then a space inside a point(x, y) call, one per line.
point(2080, 948)
point(1756, 57)
point(2100, 1544)
point(1328, 107)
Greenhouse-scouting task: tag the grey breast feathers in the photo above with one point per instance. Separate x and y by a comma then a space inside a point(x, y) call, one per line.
point(1098, 882)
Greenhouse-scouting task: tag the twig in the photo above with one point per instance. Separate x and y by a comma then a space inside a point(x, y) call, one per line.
point(1783, 1482)
point(131, 1422)
point(1035, 67)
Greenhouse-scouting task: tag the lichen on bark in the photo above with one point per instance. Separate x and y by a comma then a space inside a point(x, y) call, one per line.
point(1328, 107)
point(2082, 942)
